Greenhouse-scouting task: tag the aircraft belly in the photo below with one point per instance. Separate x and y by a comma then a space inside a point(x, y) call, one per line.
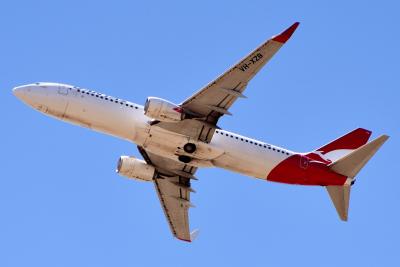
point(245, 158)
point(161, 140)
point(170, 144)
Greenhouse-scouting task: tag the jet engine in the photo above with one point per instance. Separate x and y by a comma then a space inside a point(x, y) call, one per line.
point(162, 110)
point(135, 168)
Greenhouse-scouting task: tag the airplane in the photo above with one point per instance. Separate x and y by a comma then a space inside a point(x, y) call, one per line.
point(177, 139)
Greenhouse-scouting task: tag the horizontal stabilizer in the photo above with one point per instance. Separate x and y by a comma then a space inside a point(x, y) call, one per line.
point(352, 163)
point(340, 196)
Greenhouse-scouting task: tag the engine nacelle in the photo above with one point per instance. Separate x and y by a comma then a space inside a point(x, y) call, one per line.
point(162, 110)
point(135, 168)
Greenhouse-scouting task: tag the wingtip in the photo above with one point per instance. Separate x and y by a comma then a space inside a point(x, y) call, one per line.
point(344, 217)
point(193, 236)
point(286, 34)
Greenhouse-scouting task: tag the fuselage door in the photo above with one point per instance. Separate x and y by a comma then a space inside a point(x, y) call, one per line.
point(63, 90)
point(58, 100)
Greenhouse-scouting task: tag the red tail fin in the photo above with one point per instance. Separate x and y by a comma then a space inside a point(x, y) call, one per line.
point(341, 146)
point(352, 140)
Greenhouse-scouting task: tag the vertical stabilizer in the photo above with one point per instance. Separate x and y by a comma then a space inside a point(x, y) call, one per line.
point(341, 146)
point(351, 140)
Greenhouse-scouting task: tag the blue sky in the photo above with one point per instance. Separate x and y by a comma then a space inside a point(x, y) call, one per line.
point(61, 202)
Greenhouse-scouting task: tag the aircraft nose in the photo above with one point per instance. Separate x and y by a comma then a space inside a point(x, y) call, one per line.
point(42, 96)
point(20, 91)
point(30, 94)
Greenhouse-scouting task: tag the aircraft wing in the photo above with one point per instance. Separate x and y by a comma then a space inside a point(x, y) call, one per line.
point(215, 99)
point(173, 189)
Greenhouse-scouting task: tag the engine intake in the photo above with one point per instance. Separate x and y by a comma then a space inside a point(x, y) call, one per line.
point(162, 110)
point(135, 169)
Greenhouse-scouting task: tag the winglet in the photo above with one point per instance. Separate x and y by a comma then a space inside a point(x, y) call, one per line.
point(193, 236)
point(284, 36)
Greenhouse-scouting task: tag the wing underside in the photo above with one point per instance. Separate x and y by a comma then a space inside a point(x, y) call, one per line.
point(173, 188)
point(215, 99)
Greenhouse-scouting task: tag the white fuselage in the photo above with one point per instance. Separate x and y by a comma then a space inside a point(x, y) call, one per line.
point(126, 120)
